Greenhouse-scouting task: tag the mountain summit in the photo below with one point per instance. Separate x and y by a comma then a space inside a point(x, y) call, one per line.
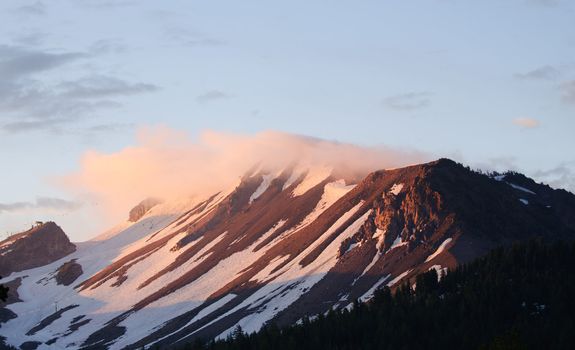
point(40, 245)
point(277, 247)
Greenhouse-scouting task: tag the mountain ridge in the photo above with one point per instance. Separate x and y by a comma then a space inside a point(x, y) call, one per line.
point(284, 245)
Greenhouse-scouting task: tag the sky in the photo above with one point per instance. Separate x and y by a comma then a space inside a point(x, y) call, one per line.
point(488, 83)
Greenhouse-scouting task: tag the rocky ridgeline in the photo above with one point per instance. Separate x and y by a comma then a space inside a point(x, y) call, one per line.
point(41, 245)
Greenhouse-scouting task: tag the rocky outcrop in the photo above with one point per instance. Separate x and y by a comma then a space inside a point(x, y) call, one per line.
point(142, 208)
point(68, 272)
point(39, 246)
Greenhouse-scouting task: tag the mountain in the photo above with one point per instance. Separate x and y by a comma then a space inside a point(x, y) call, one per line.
point(43, 244)
point(277, 247)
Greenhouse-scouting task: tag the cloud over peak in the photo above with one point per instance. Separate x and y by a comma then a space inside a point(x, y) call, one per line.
point(167, 163)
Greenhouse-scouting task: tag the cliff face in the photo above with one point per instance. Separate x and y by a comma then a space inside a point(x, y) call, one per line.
point(36, 247)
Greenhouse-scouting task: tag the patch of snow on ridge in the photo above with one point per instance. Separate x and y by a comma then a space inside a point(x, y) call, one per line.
point(265, 273)
point(352, 246)
point(380, 235)
point(499, 177)
point(441, 271)
point(267, 180)
point(296, 173)
point(313, 177)
point(397, 243)
point(398, 278)
point(439, 250)
point(524, 201)
point(369, 294)
point(520, 188)
point(331, 193)
point(395, 189)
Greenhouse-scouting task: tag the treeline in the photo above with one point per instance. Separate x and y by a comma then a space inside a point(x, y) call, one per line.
point(520, 297)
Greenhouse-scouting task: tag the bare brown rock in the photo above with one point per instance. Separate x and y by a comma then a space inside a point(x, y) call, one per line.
point(39, 246)
point(68, 272)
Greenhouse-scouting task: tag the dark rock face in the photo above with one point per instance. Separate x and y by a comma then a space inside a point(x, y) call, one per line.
point(142, 208)
point(30, 345)
point(41, 245)
point(48, 320)
point(68, 272)
point(5, 313)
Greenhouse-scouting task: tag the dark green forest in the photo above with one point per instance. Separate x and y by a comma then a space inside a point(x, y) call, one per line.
point(519, 297)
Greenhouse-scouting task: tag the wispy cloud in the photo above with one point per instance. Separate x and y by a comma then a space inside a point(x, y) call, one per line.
point(527, 123)
point(568, 90)
point(18, 62)
point(29, 100)
point(408, 101)
point(35, 8)
point(212, 95)
point(561, 176)
point(30, 39)
point(110, 127)
point(108, 46)
point(189, 38)
point(547, 3)
point(105, 4)
point(541, 73)
point(43, 203)
point(102, 86)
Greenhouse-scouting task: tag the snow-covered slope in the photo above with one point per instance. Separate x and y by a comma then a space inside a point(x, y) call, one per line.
point(275, 248)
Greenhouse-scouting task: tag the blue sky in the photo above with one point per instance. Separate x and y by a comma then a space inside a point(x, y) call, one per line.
point(489, 83)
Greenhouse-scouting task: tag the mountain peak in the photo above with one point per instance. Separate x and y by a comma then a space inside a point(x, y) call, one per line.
point(42, 244)
point(283, 245)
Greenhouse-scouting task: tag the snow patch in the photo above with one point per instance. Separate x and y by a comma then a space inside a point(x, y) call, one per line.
point(398, 278)
point(313, 177)
point(499, 177)
point(369, 294)
point(352, 246)
point(439, 250)
point(397, 243)
point(380, 235)
point(396, 188)
point(524, 201)
point(266, 182)
point(520, 188)
point(441, 271)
